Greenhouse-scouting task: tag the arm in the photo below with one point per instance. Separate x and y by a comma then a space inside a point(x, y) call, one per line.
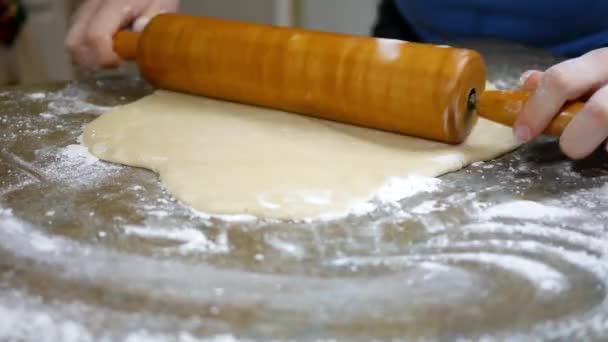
point(570, 80)
point(89, 40)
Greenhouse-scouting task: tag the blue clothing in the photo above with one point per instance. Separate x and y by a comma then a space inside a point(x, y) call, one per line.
point(563, 27)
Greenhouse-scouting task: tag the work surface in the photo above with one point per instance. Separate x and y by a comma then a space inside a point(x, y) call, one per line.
point(510, 248)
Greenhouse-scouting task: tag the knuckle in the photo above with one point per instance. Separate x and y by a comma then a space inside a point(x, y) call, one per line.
point(556, 78)
point(95, 40)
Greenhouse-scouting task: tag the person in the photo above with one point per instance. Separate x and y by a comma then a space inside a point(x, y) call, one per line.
point(549, 24)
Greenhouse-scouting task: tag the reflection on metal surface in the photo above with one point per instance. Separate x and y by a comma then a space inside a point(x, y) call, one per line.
point(88, 250)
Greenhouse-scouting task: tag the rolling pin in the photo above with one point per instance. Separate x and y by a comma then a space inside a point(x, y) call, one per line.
point(415, 89)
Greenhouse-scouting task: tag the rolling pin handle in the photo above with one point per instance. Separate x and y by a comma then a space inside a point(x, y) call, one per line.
point(125, 45)
point(504, 107)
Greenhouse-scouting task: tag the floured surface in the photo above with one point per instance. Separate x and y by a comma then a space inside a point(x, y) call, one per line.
point(513, 249)
point(95, 251)
point(227, 158)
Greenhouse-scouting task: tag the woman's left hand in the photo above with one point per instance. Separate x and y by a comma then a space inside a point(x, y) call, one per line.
point(570, 80)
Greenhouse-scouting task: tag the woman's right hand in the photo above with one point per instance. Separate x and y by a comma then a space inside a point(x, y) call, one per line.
point(582, 77)
point(90, 39)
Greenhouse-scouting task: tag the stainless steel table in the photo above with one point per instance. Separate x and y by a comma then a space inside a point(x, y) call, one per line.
point(513, 248)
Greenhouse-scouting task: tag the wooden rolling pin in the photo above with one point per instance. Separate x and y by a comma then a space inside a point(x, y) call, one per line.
point(415, 89)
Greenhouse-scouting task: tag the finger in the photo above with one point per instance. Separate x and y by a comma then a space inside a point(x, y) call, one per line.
point(155, 8)
point(562, 82)
point(529, 80)
point(588, 129)
point(109, 19)
point(74, 42)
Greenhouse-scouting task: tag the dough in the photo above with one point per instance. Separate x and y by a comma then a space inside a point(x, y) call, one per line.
point(226, 158)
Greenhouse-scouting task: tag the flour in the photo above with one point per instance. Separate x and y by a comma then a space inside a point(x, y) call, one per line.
point(37, 96)
point(19, 323)
point(80, 153)
point(191, 240)
point(548, 281)
point(393, 191)
point(39, 242)
point(452, 159)
point(528, 210)
point(72, 100)
point(43, 244)
point(72, 165)
point(285, 247)
point(398, 188)
point(427, 207)
point(25, 325)
point(536, 230)
point(232, 218)
point(183, 337)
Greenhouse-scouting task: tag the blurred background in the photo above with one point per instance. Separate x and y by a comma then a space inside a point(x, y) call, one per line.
point(38, 55)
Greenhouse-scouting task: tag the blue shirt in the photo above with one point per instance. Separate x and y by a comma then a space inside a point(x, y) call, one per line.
point(564, 27)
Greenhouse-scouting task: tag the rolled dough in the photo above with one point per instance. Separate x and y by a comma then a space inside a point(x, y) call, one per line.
point(225, 158)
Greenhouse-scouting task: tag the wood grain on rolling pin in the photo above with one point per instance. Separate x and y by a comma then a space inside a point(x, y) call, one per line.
point(504, 107)
point(413, 89)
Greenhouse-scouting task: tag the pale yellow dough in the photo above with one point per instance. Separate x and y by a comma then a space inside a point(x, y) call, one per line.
point(226, 158)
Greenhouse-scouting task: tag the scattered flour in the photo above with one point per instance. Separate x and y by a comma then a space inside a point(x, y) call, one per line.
point(193, 240)
point(79, 152)
point(393, 191)
point(20, 323)
point(292, 249)
point(72, 100)
point(231, 218)
point(427, 207)
point(527, 210)
point(43, 244)
point(37, 96)
point(398, 188)
point(72, 165)
point(183, 337)
point(548, 281)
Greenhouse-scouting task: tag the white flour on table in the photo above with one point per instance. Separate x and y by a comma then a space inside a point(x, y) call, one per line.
point(528, 210)
point(70, 100)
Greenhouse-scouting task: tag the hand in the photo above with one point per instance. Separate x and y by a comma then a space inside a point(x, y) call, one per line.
point(89, 41)
point(570, 80)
